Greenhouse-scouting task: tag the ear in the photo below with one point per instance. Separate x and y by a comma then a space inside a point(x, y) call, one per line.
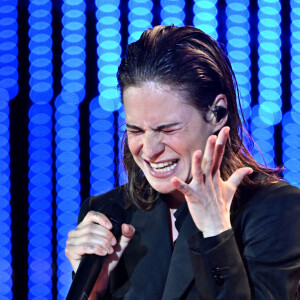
point(218, 113)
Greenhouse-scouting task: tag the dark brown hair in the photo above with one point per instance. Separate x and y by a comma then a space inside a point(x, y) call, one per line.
point(192, 63)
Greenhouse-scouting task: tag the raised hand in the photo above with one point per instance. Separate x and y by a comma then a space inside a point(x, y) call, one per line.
point(208, 196)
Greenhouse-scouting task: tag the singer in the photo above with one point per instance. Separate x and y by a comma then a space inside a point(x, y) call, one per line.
point(203, 219)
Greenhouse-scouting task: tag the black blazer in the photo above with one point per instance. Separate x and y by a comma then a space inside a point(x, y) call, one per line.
point(258, 259)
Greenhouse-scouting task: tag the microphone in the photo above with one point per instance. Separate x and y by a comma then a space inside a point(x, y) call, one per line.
point(91, 264)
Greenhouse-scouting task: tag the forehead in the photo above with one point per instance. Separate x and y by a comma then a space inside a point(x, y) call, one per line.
point(156, 102)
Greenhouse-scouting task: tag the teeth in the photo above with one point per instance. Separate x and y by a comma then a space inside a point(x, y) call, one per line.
point(161, 165)
point(164, 167)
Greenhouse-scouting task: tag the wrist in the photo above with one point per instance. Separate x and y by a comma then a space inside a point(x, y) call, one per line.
point(214, 230)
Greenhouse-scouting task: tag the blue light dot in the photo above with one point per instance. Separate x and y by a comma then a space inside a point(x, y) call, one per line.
point(270, 113)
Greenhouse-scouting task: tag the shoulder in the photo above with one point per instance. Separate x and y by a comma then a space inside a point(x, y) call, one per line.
point(269, 222)
point(274, 196)
point(97, 203)
point(276, 203)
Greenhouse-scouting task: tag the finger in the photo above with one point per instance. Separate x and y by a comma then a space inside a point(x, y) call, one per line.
point(91, 239)
point(182, 187)
point(96, 217)
point(208, 157)
point(91, 243)
point(237, 177)
point(76, 252)
point(111, 262)
point(219, 149)
point(127, 231)
point(196, 167)
point(90, 232)
point(72, 254)
point(101, 236)
point(127, 234)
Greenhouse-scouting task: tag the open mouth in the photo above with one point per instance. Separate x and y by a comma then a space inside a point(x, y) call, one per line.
point(165, 166)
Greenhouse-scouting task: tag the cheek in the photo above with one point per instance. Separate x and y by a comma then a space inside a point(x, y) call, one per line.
point(187, 147)
point(133, 145)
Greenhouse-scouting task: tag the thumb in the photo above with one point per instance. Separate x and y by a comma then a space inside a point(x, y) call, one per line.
point(236, 178)
point(113, 259)
point(127, 234)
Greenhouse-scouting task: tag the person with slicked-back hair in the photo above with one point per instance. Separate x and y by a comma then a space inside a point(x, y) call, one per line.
point(203, 219)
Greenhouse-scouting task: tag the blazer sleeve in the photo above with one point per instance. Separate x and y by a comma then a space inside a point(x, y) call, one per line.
point(260, 259)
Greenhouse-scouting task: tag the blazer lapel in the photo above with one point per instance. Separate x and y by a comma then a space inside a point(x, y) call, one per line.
point(147, 257)
point(180, 273)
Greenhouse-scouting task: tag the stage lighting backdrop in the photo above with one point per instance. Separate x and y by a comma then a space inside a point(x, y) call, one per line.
point(61, 117)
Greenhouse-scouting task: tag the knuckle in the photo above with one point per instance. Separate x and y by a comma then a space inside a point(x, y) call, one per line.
point(189, 193)
point(89, 227)
point(89, 236)
point(69, 253)
point(104, 242)
point(209, 162)
point(107, 244)
point(100, 250)
point(91, 213)
point(71, 233)
point(103, 250)
point(95, 216)
point(108, 235)
point(186, 189)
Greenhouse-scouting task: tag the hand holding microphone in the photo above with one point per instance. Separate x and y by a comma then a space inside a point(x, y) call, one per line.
point(96, 245)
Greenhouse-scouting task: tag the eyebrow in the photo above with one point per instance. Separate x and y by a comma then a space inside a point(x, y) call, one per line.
point(160, 127)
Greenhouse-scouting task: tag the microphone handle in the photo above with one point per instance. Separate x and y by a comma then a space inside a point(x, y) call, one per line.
point(86, 276)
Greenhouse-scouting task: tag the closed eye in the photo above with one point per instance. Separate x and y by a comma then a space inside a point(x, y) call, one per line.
point(169, 130)
point(166, 128)
point(134, 132)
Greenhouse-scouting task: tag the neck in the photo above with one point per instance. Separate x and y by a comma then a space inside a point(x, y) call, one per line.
point(174, 200)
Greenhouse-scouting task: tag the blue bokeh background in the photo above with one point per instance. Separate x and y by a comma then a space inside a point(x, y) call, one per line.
point(61, 115)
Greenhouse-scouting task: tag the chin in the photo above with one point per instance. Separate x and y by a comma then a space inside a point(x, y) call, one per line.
point(163, 189)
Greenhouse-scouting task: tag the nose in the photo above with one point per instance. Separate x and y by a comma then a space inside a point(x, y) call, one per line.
point(152, 145)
